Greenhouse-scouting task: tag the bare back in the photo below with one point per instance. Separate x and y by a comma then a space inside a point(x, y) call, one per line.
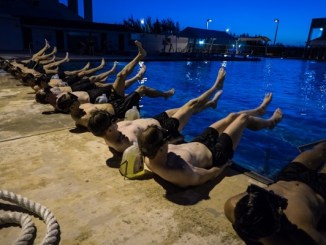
point(125, 133)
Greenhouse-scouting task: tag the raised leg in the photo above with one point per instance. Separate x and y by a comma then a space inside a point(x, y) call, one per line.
point(41, 51)
point(53, 65)
point(103, 76)
point(242, 121)
point(153, 93)
point(119, 83)
point(202, 102)
point(137, 77)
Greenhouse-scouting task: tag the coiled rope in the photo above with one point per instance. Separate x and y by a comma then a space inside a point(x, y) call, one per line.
point(28, 228)
point(26, 222)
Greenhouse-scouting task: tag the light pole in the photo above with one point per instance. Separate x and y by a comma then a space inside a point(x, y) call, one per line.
point(207, 21)
point(277, 21)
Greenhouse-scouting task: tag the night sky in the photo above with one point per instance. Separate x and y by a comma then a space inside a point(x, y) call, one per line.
point(254, 17)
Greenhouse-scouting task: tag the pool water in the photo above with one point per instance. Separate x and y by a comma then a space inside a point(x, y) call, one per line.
point(298, 87)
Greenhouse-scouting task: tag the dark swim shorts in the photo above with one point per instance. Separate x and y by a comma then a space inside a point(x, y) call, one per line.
point(296, 171)
point(121, 106)
point(172, 125)
point(221, 146)
point(83, 85)
point(107, 90)
point(71, 79)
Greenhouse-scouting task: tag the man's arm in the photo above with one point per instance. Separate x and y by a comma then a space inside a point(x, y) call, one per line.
point(188, 175)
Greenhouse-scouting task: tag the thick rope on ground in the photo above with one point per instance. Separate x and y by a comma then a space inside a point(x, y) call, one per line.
point(26, 223)
point(38, 209)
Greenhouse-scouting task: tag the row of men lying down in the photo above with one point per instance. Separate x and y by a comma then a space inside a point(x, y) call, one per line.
point(289, 211)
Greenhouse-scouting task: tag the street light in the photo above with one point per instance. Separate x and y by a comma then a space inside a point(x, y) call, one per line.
point(277, 21)
point(207, 21)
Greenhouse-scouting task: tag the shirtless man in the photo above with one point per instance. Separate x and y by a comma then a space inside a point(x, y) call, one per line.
point(120, 135)
point(288, 211)
point(206, 156)
point(68, 78)
point(50, 94)
point(81, 112)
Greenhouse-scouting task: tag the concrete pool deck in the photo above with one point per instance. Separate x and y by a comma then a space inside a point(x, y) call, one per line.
point(43, 158)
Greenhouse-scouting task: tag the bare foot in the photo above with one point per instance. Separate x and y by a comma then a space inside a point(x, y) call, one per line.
point(54, 51)
point(262, 108)
point(275, 118)
point(220, 78)
point(213, 102)
point(47, 45)
point(141, 73)
point(86, 67)
point(67, 57)
point(114, 67)
point(169, 93)
point(141, 51)
point(102, 63)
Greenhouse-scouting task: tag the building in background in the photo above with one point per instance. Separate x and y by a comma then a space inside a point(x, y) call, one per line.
point(25, 24)
point(316, 42)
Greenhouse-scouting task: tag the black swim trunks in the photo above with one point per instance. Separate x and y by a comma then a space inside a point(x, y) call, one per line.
point(296, 171)
point(221, 146)
point(39, 68)
point(107, 90)
point(172, 125)
point(124, 104)
point(31, 64)
point(71, 79)
point(83, 85)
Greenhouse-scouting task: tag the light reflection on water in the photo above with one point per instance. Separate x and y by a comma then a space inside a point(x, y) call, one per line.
point(298, 87)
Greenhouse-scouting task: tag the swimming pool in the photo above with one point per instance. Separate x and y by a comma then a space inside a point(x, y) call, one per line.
point(298, 87)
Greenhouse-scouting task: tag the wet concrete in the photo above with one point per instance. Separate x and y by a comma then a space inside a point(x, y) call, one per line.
point(73, 174)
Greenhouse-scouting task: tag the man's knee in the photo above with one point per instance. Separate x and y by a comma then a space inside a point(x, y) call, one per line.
point(141, 89)
point(121, 75)
point(241, 118)
point(321, 146)
point(232, 116)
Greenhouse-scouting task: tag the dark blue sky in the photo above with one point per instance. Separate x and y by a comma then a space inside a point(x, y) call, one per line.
point(255, 17)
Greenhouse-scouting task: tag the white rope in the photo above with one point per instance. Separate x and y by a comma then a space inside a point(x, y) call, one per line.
point(38, 209)
point(26, 223)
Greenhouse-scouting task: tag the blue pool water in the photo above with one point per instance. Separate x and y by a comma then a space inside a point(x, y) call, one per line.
point(298, 87)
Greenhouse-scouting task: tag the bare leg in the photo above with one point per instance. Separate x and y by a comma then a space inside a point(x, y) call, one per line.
point(51, 71)
point(261, 109)
point(314, 158)
point(119, 83)
point(212, 103)
point(153, 93)
point(243, 121)
point(103, 76)
point(137, 77)
point(41, 51)
point(201, 102)
point(57, 63)
point(70, 73)
point(48, 61)
point(171, 112)
point(87, 72)
point(46, 56)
